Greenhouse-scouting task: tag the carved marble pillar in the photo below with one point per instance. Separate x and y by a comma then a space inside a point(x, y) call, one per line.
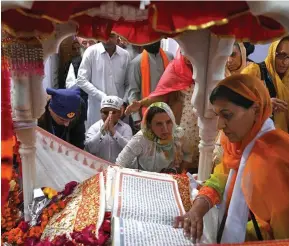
point(208, 54)
point(29, 99)
point(28, 102)
point(28, 105)
point(27, 137)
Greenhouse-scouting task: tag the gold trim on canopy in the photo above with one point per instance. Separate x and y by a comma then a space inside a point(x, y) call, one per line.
point(161, 33)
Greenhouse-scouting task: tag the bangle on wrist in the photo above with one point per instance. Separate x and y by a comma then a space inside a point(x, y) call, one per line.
point(205, 199)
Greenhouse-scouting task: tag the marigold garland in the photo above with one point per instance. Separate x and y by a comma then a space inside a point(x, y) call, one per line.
point(10, 213)
point(23, 235)
point(184, 189)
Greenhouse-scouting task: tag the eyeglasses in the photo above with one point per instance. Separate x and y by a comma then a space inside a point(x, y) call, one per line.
point(282, 56)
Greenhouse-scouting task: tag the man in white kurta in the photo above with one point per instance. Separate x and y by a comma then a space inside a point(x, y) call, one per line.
point(108, 136)
point(102, 72)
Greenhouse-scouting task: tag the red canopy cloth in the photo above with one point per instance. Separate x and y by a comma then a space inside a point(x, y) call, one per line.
point(160, 19)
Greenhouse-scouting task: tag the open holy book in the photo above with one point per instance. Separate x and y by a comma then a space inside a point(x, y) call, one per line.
point(144, 208)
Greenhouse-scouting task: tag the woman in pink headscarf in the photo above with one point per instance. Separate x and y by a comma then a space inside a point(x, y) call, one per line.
point(176, 88)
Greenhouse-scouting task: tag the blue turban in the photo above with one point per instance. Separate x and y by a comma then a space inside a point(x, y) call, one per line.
point(65, 103)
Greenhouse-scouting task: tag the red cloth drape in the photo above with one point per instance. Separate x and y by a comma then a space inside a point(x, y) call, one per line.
point(163, 19)
point(176, 77)
point(7, 141)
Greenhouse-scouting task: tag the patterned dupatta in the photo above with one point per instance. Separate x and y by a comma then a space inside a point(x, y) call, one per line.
point(171, 147)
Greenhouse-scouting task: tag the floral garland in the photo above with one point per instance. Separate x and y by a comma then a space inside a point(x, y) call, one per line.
point(11, 213)
point(183, 185)
point(23, 234)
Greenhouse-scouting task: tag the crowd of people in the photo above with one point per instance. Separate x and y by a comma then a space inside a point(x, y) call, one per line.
point(134, 79)
point(132, 107)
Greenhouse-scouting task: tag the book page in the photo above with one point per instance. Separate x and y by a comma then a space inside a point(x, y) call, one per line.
point(132, 232)
point(146, 198)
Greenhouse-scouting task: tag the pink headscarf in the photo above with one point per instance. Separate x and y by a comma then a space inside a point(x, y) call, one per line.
point(176, 77)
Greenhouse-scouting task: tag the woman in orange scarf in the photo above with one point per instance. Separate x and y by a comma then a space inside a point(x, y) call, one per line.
point(253, 177)
point(275, 72)
point(176, 87)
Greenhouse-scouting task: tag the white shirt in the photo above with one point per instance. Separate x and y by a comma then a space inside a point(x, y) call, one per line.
point(107, 147)
point(100, 75)
point(70, 79)
point(141, 153)
point(51, 68)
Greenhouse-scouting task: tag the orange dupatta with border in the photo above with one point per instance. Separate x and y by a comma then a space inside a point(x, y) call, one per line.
point(265, 179)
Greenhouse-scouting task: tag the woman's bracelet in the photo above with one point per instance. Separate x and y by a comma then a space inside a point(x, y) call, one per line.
point(205, 199)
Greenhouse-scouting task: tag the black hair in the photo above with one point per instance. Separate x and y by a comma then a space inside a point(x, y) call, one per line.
point(223, 92)
point(152, 112)
point(250, 48)
point(153, 48)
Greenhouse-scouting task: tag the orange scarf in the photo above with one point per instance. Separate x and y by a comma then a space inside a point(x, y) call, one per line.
point(253, 89)
point(265, 179)
point(145, 72)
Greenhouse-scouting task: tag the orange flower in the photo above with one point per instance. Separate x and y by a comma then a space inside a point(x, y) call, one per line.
point(10, 225)
point(61, 204)
point(35, 231)
point(44, 217)
point(54, 207)
point(43, 225)
point(19, 241)
point(10, 239)
point(50, 212)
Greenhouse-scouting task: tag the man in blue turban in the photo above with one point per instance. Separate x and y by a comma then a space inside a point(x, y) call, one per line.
point(65, 115)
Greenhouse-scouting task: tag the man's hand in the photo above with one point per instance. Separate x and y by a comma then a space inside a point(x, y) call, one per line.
point(106, 124)
point(279, 105)
point(111, 124)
